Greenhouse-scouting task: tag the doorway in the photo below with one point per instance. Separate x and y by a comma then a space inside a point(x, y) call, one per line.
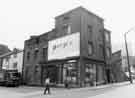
point(108, 75)
point(51, 71)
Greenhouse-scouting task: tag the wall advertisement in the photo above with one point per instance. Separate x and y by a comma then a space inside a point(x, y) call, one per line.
point(64, 47)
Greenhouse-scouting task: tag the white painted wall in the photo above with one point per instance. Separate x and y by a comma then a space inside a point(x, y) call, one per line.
point(10, 63)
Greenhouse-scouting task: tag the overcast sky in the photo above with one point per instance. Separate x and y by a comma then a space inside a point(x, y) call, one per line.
point(19, 19)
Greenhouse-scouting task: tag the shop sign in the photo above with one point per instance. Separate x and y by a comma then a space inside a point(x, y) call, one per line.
point(64, 47)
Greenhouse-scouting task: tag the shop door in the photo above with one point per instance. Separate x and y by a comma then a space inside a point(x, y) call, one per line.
point(108, 75)
point(61, 74)
point(100, 75)
point(52, 72)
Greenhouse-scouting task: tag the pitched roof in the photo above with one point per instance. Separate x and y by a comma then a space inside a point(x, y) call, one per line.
point(10, 53)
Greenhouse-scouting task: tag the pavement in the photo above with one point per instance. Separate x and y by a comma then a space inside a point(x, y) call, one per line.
point(86, 92)
point(63, 92)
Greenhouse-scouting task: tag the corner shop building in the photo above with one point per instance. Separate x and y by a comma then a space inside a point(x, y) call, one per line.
point(74, 53)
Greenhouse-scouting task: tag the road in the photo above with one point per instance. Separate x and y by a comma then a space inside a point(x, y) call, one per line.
point(111, 91)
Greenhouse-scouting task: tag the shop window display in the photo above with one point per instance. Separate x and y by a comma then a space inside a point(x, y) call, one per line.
point(71, 72)
point(90, 74)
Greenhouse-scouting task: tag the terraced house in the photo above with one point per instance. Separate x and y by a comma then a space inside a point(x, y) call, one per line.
point(78, 48)
point(12, 60)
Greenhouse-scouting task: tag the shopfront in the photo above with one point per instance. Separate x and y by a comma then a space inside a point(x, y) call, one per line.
point(60, 72)
point(90, 74)
point(94, 73)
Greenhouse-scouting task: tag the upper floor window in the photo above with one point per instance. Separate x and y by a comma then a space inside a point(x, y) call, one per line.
point(37, 40)
point(7, 59)
point(67, 28)
point(100, 37)
point(101, 50)
point(36, 69)
point(107, 37)
point(66, 18)
point(45, 52)
point(90, 30)
point(28, 55)
point(15, 65)
point(15, 55)
point(90, 48)
point(36, 53)
point(108, 52)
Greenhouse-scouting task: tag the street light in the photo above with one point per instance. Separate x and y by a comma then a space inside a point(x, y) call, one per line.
point(129, 66)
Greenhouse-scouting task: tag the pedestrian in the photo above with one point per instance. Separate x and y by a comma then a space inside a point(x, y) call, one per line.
point(67, 81)
point(47, 85)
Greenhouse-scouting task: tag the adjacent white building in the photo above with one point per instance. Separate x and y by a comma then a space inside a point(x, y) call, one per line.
point(13, 60)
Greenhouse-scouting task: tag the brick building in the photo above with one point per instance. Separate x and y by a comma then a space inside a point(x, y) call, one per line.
point(78, 48)
point(117, 69)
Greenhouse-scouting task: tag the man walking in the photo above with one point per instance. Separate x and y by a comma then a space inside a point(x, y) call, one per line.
point(47, 85)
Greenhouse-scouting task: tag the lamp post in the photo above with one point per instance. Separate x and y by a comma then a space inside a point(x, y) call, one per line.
point(129, 66)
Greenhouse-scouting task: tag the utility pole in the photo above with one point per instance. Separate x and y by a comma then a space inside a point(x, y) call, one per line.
point(129, 66)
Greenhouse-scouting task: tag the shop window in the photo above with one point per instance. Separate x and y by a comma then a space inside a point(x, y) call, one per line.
point(90, 74)
point(71, 72)
point(90, 48)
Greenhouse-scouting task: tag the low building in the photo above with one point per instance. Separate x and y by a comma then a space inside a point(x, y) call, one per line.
point(13, 60)
point(118, 74)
